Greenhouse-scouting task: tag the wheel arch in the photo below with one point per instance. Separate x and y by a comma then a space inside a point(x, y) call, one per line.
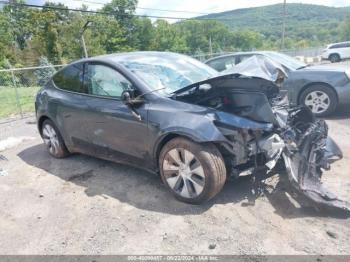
point(309, 85)
point(161, 142)
point(41, 122)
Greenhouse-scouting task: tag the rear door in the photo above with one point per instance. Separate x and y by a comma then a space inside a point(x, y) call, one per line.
point(113, 129)
point(69, 106)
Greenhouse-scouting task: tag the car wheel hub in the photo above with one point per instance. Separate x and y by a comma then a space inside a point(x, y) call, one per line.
point(50, 139)
point(183, 173)
point(318, 102)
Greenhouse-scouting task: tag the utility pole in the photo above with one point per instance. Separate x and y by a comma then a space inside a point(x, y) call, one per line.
point(210, 47)
point(284, 24)
point(82, 38)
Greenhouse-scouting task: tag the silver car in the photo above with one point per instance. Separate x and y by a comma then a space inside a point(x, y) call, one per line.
point(321, 88)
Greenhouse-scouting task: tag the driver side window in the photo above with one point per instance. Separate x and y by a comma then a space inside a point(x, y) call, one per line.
point(105, 81)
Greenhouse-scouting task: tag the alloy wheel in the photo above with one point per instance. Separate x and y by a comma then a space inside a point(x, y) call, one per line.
point(51, 139)
point(318, 102)
point(183, 173)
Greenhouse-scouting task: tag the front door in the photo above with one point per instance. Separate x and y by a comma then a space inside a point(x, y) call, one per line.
point(114, 130)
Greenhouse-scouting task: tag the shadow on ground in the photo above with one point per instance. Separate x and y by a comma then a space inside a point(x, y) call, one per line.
point(145, 191)
point(342, 112)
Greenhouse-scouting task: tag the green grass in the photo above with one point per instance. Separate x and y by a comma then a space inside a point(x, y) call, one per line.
point(8, 104)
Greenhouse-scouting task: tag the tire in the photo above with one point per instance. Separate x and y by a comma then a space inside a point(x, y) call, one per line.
point(200, 179)
point(321, 99)
point(334, 58)
point(53, 140)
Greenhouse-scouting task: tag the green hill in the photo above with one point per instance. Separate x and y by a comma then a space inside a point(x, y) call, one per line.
point(313, 23)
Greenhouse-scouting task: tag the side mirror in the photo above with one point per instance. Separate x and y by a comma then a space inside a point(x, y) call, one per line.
point(126, 97)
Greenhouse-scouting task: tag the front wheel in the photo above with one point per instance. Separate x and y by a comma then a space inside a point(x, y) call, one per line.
point(193, 172)
point(321, 100)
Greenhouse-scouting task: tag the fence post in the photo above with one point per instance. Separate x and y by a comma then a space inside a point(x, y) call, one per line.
point(16, 91)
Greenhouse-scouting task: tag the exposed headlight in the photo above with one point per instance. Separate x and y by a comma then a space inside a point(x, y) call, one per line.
point(347, 72)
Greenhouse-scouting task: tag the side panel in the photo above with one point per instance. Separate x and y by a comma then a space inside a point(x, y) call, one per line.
point(297, 81)
point(67, 110)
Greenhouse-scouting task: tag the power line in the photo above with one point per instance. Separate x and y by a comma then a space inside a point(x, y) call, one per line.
point(147, 8)
point(109, 13)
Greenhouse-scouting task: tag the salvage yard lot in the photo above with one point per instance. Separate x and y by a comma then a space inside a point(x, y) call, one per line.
point(90, 206)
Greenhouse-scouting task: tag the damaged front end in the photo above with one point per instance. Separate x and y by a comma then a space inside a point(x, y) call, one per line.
point(306, 156)
point(262, 130)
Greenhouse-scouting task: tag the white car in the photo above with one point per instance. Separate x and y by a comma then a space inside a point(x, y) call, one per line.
point(336, 52)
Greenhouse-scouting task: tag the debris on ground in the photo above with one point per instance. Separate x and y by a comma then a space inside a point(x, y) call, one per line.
point(212, 246)
point(3, 172)
point(331, 234)
point(13, 142)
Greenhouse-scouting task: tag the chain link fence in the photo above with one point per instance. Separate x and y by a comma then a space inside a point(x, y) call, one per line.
point(18, 87)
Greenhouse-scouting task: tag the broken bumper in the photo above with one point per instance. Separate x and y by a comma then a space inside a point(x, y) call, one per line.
point(316, 151)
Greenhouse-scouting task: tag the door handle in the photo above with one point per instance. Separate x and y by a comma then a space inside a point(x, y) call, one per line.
point(135, 114)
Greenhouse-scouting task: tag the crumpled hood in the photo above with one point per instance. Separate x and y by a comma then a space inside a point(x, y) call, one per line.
point(255, 67)
point(232, 77)
point(261, 67)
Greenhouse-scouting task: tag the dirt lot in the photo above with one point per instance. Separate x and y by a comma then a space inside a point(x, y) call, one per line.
point(85, 205)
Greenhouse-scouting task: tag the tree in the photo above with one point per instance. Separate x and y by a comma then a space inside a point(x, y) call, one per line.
point(123, 12)
point(5, 33)
point(144, 33)
point(246, 40)
point(21, 23)
point(345, 30)
point(54, 50)
point(43, 75)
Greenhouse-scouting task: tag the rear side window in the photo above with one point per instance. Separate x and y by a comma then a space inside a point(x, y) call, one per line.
point(342, 45)
point(241, 58)
point(70, 78)
point(222, 64)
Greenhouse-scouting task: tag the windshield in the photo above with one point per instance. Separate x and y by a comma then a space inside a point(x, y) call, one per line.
point(285, 60)
point(167, 70)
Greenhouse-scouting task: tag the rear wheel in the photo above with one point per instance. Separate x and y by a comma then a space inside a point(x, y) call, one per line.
point(193, 172)
point(53, 140)
point(334, 58)
point(321, 100)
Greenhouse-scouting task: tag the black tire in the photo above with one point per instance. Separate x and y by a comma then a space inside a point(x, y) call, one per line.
point(59, 150)
point(209, 157)
point(334, 58)
point(333, 100)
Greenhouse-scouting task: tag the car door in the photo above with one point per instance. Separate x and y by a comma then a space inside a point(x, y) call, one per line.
point(68, 104)
point(114, 130)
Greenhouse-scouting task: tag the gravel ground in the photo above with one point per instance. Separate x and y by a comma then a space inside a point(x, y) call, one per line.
point(82, 205)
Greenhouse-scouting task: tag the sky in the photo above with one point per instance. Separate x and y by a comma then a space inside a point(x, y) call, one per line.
point(195, 6)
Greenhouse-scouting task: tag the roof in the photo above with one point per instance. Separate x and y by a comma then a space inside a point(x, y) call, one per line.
point(238, 53)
